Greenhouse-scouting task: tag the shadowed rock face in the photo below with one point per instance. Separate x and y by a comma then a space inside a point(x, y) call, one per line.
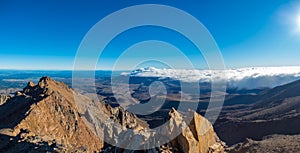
point(47, 118)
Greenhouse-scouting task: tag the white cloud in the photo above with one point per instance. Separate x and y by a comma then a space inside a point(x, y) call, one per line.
point(17, 80)
point(250, 78)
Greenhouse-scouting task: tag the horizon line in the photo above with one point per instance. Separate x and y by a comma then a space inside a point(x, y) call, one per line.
point(228, 68)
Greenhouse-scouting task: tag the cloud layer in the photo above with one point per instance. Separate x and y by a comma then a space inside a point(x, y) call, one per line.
point(249, 78)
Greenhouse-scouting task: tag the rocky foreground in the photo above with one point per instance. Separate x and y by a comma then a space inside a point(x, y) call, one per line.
point(51, 117)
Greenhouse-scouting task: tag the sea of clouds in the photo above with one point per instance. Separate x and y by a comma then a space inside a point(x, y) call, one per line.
point(242, 78)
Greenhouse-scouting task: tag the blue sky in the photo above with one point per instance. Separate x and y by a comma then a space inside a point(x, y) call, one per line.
point(46, 34)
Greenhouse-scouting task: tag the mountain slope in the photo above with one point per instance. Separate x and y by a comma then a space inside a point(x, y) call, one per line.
point(269, 144)
point(51, 117)
point(274, 111)
point(48, 111)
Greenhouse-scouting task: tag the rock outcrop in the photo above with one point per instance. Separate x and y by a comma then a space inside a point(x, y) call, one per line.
point(3, 99)
point(51, 117)
point(47, 112)
point(196, 137)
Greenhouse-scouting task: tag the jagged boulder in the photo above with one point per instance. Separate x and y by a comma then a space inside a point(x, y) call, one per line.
point(3, 99)
point(198, 136)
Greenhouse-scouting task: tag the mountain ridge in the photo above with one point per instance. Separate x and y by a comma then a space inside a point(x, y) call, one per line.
point(51, 117)
point(274, 111)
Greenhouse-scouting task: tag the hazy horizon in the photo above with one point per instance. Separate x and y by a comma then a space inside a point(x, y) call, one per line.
point(226, 68)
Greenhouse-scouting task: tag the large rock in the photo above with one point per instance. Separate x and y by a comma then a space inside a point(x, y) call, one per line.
point(3, 99)
point(196, 137)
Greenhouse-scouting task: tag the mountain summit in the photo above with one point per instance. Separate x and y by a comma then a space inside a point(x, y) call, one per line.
point(51, 117)
point(45, 115)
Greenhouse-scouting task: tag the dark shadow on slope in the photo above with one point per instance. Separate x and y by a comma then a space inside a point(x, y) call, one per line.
point(233, 132)
point(14, 111)
point(9, 144)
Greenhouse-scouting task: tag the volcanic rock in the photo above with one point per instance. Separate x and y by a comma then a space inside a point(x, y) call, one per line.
point(197, 137)
point(51, 117)
point(47, 111)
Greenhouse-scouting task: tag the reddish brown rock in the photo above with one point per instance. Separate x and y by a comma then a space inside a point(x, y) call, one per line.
point(51, 117)
point(48, 111)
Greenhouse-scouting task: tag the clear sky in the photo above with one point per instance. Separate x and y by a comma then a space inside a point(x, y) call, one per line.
point(46, 34)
